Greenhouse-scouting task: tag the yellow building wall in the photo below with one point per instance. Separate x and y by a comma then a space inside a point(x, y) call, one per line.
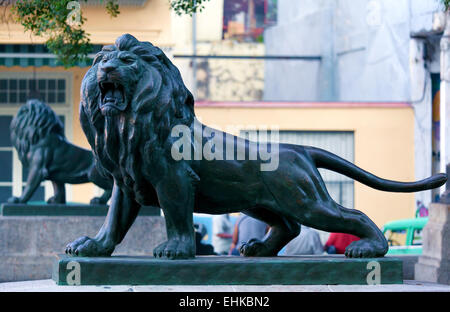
point(151, 22)
point(383, 138)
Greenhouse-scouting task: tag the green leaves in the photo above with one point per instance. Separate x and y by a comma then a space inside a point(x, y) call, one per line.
point(112, 8)
point(446, 4)
point(181, 7)
point(61, 22)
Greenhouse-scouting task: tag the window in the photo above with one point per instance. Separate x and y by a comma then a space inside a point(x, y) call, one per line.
point(247, 19)
point(15, 91)
point(6, 159)
point(417, 238)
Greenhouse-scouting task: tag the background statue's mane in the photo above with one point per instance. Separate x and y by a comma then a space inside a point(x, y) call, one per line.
point(34, 122)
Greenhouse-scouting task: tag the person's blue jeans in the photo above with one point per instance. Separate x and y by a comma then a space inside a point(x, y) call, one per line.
point(331, 250)
point(235, 252)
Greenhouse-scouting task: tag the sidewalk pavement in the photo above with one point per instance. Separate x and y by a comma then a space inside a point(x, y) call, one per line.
point(50, 286)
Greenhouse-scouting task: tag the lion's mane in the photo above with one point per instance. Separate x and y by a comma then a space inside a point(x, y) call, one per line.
point(157, 101)
point(34, 122)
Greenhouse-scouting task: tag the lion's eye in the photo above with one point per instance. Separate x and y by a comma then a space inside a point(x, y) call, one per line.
point(127, 60)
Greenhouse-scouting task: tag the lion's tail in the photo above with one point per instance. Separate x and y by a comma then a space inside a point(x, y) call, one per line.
point(327, 160)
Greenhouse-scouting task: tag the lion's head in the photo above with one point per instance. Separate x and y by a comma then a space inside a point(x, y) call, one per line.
point(34, 122)
point(135, 76)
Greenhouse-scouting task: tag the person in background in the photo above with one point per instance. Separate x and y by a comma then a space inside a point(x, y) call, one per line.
point(245, 229)
point(337, 242)
point(306, 243)
point(202, 249)
point(222, 234)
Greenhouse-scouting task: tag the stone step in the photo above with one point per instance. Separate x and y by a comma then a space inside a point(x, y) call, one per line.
point(29, 244)
point(222, 270)
point(70, 209)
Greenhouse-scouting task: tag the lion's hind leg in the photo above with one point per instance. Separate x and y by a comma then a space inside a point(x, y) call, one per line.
point(332, 217)
point(300, 191)
point(281, 232)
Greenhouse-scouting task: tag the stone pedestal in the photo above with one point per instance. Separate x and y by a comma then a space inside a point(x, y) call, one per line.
point(231, 270)
point(31, 236)
point(434, 264)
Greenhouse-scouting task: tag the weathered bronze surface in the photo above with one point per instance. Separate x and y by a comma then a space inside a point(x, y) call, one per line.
point(133, 97)
point(38, 136)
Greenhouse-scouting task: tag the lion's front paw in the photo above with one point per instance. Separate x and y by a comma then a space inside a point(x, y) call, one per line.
point(14, 200)
point(88, 247)
point(174, 249)
point(365, 248)
point(254, 248)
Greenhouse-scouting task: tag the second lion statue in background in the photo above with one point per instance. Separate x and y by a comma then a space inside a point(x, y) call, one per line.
point(38, 136)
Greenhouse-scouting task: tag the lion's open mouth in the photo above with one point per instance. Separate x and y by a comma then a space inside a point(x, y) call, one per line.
point(112, 96)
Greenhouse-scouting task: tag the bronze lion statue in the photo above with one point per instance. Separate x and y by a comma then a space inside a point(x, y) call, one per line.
point(134, 100)
point(38, 136)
